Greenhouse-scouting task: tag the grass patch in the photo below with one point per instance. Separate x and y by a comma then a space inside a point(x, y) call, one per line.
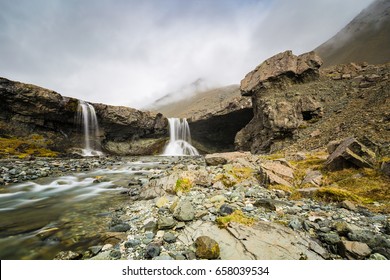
point(35, 145)
point(234, 175)
point(183, 185)
point(333, 194)
point(237, 216)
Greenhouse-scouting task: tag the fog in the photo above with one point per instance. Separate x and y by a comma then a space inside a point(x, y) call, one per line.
point(134, 52)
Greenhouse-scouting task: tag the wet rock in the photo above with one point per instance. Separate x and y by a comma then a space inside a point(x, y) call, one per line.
point(206, 248)
point(184, 211)
point(152, 251)
point(354, 250)
point(350, 153)
point(226, 209)
point(68, 255)
point(166, 222)
point(120, 228)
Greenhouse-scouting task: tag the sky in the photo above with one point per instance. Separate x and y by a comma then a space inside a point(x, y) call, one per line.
point(132, 52)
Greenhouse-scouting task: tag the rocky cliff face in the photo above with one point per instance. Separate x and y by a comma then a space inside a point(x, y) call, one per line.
point(27, 109)
point(278, 112)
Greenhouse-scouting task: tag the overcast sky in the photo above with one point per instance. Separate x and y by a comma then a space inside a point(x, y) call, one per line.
point(131, 52)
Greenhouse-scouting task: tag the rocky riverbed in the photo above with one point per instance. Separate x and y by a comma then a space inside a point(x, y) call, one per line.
point(219, 207)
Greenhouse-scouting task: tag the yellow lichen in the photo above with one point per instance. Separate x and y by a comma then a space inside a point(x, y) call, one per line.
point(35, 145)
point(183, 185)
point(237, 216)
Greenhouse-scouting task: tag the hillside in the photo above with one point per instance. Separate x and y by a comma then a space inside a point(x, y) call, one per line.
point(365, 39)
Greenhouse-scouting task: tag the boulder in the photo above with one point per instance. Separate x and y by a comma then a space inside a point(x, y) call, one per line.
point(354, 250)
point(184, 211)
point(278, 67)
point(350, 153)
point(274, 172)
point(277, 115)
point(206, 248)
point(215, 160)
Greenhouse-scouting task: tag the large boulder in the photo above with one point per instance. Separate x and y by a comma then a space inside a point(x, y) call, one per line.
point(350, 153)
point(277, 113)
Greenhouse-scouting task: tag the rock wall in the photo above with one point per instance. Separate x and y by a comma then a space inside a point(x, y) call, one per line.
point(27, 109)
point(278, 112)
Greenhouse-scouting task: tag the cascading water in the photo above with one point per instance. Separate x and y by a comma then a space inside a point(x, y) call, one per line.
point(86, 117)
point(180, 139)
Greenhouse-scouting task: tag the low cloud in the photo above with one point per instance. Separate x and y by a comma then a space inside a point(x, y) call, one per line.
point(134, 52)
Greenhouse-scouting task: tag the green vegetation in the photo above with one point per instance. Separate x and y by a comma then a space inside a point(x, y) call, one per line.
point(234, 175)
point(237, 216)
point(183, 185)
point(35, 145)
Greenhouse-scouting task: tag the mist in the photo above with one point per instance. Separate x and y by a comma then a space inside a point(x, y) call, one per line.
point(134, 52)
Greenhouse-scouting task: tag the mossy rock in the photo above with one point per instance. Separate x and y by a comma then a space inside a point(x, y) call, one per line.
point(237, 216)
point(207, 248)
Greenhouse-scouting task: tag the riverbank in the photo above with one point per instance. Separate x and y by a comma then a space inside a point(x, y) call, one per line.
point(167, 204)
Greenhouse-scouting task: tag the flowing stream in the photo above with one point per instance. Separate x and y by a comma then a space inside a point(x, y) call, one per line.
point(41, 218)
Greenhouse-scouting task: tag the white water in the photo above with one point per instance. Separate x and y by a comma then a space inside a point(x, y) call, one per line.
point(87, 118)
point(180, 139)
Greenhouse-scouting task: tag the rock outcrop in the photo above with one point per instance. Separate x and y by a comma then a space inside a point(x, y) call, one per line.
point(27, 109)
point(278, 112)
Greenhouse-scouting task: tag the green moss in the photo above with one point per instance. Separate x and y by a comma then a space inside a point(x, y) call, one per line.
point(237, 216)
point(35, 145)
point(183, 185)
point(333, 194)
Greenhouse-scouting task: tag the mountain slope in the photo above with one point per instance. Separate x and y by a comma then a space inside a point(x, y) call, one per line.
point(365, 39)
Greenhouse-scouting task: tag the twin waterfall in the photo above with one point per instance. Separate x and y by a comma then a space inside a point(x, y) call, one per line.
point(179, 142)
point(180, 139)
point(86, 117)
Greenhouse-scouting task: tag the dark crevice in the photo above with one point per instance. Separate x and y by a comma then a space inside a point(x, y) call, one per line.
point(217, 133)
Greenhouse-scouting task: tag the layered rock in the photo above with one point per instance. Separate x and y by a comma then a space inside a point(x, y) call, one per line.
point(26, 109)
point(278, 112)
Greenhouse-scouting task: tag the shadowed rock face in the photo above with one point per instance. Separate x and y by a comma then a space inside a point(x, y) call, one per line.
point(26, 109)
point(278, 113)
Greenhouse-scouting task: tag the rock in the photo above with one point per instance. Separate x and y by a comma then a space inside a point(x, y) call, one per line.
point(348, 205)
point(350, 153)
point(313, 177)
point(68, 255)
point(276, 173)
point(120, 228)
point(226, 209)
point(30, 108)
point(308, 192)
point(150, 226)
point(265, 203)
point(169, 237)
point(184, 211)
point(377, 257)
point(354, 250)
point(115, 254)
point(166, 222)
point(206, 248)
point(295, 224)
point(277, 67)
point(152, 251)
point(95, 249)
point(275, 116)
point(262, 241)
point(132, 243)
point(215, 160)
point(330, 238)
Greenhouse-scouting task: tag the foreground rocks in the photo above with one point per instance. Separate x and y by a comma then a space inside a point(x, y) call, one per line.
point(231, 207)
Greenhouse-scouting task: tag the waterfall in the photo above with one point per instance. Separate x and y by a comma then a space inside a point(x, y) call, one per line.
point(86, 118)
point(180, 139)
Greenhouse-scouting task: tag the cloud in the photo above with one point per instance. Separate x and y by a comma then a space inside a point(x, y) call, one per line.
point(134, 52)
